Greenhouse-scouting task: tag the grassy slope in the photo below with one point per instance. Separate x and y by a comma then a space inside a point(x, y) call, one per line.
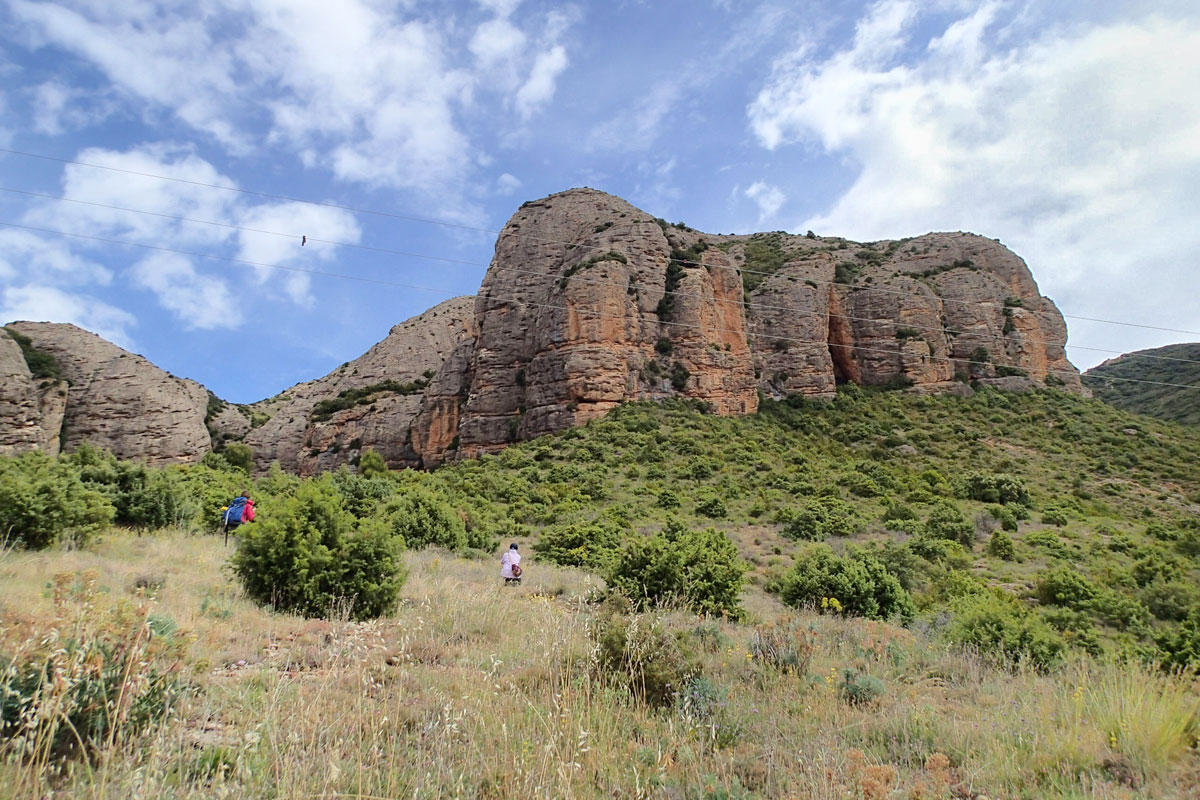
point(1111, 472)
point(1164, 402)
point(470, 690)
point(473, 690)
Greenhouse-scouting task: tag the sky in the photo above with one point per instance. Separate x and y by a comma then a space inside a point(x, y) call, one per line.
point(399, 137)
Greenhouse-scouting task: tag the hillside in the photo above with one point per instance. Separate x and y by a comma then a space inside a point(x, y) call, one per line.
point(1048, 543)
point(1170, 364)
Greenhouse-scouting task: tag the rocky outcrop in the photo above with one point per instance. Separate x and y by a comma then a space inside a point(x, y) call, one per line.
point(117, 400)
point(31, 410)
point(369, 402)
point(588, 303)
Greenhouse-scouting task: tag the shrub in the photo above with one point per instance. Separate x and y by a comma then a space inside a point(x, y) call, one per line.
point(1005, 516)
point(591, 544)
point(1180, 648)
point(1001, 546)
point(947, 522)
point(700, 569)
point(240, 456)
point(309, 556)
point(1055, 516)
point(667, 498)
point(1076, 628)
point(711, 506)
point(859, 583)
point(1171, 600)
point(371, 464)
point(421, 518)
point(820, 518)
point(43, 500)
point(638, 651)
point(362, 495)
point(1064, 586)
point(1003, 628)
point(860, 688)
point(997, 488)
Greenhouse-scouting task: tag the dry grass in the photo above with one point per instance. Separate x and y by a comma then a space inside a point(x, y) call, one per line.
point(476, 690)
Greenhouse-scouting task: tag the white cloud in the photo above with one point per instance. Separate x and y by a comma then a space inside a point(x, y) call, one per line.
point(507, 184)
point(539, 87)
point(27, 253)
point(769, 199)
point(1079, 147)
point(48, 304)
point(59, 108)
point(183, 286)
point(377, 93)
point(321, 226)
point(200, 301)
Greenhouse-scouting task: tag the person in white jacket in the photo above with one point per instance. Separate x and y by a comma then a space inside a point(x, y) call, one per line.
point(510, 565)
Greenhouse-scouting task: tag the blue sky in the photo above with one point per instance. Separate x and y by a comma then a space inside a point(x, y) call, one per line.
point(1070, 131)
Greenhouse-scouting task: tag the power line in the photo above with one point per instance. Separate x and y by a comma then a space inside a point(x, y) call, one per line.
point(523, 302)
point(444, 223)
point(750, 303)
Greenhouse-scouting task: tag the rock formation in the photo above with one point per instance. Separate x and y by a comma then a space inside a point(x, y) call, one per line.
point(588, 303)
point(117, 400)
point(31, 409)
point(369, 402)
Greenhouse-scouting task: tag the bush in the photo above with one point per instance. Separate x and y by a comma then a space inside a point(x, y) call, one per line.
point(996, 489)
point(1003, 628)
point(590, 544)
point(859, 688)
point(311, 557)
point(1005, 516)
point(371, 464)
point(1064, 586)
point(1001, 546)
point(700, 569)
point(43, 500)
point(1171, 600)
point(240, 456)
point(947, 522)
point(1055, 516)
point(421, 518)
point(712, 506)
point(857, 581)
point(638, 651)
point(1180, 648)
point(820, 518)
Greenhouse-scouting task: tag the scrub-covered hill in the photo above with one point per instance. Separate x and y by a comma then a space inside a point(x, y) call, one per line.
point(1177, 364)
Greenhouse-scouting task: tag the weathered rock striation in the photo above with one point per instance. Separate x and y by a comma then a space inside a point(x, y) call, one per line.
point(588, 303)
point(116, 400)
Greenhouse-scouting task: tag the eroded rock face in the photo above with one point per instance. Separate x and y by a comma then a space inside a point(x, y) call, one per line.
point(117, 400)
point(380, 394)
point(30, 410)
point(572, 322)
point(588, 303)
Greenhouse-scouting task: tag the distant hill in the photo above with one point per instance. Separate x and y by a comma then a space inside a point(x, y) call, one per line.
point(1164, 402)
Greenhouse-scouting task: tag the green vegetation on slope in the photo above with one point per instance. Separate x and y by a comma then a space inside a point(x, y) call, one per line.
point(42, 364)
point(1164, 402)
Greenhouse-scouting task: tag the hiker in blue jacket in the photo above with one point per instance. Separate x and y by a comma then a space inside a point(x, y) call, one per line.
point(239, 511)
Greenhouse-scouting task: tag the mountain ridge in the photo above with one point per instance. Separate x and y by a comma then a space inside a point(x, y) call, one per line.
point(589, 303)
